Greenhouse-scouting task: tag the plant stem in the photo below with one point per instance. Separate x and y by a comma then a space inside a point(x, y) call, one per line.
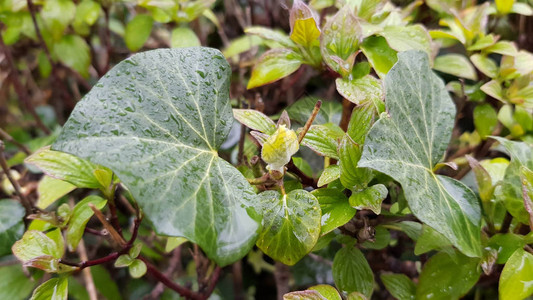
point(312, 117)
point(4, 135)
point(114, 234)
point(347, 107)
point(25, 201)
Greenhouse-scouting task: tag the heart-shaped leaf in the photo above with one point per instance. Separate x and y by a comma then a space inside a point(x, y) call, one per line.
point(157, 120)
point(291, 225)
point(407, 145)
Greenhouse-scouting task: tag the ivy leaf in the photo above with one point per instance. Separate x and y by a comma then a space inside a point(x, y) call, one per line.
point(515, 281)
point(79, 218)
point(340, 41)
point(399, 285)
point(66, 167)
point(407, 145)
point(11, 224)
point(291, 225)
point(274, 65)
point(53, 289)
point(336, 210)
point(351, 272)
point(438, 279)
point(157, 119)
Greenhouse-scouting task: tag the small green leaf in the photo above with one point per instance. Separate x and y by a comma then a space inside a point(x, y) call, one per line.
point(506, 244)
point(404, 38)
point(291, 225)
point(274, 65)
point(485, 119)
point(362, 90)
point(381, 239)
point(485, 64)
point(324, 139)
point(57, 14)
point(304, 24)
point(327, 291)
point(241, 45)
point(369, 198)
point(515, 280)
point(494, 89)
point(79, 218)
point(137, 268)
point(336, 210)
point(380, 55)
point(173, 243)
point(483, 179)
point(255, 120)
point(407, 144)
point(331, 173)
point(351, 272)
point(360, 123)
point(135, 250)
point(50, 190)
point(400, 286)
point(53, 289)
point(439, 277)
point(104, 177)
point(504, 6)
point(273, 35)
point(66, 167)
point(430, 239)
point(138, 31)
point(455, 64)
point(11, 224)
point(42, 251)
point(123, 261)
point(184, 37)
point(352, 177)
point(73, 51)
point(340, 41)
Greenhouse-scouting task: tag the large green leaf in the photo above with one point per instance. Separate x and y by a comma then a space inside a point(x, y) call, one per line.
point(157, 120)
point(407, 145)
point(351, 272)
point(14, 284)
point(11, 224)
point(291, 225)
point(516, 281)
point(448, 276)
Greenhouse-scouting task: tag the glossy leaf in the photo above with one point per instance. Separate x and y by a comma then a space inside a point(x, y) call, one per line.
point(14, 284)
point(304, 24)
point(369, 198)
point(360, 91)
point(274, 65)
point(504, 6)
point(331, 173)
point(336, 210)
point(323, 139)
point(404, 38)
point(517, 276)
point(400, 286)
point(485, 119)
point(351, 272)
point(291, 225)
point(380, 55)
point(138, 31)
point(53, 289)
point(51, 189)
point(66, 167)
point(439, 277)
point(79, 218)
point(429, 240)
point(352, 177)
point(255, 120)
point(11, 224)
point(137, 268)
point(360, 123)
point(157, 119)
point(455, 64)
point(407, 144)
point(340, 41)
point(506, 244)
point(327, 291)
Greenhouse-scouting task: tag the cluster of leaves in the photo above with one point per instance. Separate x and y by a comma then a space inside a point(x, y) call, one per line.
point(388, 168)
